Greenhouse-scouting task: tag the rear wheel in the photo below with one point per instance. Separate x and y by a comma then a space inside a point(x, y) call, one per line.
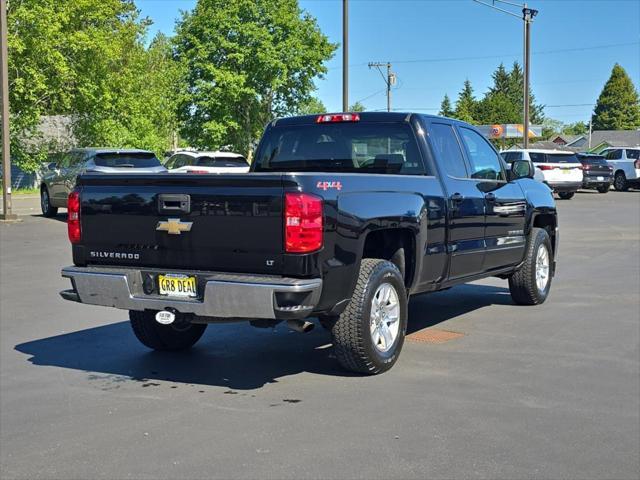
point(566, 195)
point(531, 284)
point(48, 210)
point(164, 337)
point(620, 182)
point(603, 188)
point(369, 334)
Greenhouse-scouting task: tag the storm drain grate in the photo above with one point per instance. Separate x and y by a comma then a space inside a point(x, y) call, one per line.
point(433, 335)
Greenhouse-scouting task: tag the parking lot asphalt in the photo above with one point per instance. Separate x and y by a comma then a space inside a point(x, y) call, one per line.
point(551, 391)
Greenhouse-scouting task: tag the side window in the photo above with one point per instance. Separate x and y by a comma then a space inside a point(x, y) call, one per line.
point(482, 157)
point(614, 155)
point(447, 149)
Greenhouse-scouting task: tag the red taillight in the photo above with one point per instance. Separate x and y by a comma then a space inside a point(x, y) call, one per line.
point(198, 171)
point(73, 217)
point(586, 166)
point(338, 117)
point(545, 167)
point(303, 223)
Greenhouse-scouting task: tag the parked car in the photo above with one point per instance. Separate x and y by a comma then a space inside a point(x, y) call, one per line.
point(60, 177)
point(596, 172)
point(207, 162)
point(626, 166)
point(511, 156)
point(342, 217)
point(561, 170)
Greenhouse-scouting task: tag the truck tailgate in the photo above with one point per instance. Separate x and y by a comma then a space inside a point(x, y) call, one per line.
point(231, 223)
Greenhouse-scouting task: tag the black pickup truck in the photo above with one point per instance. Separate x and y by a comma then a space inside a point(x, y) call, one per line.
point(342, 218)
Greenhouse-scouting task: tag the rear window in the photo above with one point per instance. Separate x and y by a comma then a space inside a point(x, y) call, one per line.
point(124, 160)
point(347, 147)
point(593, 160)
point(221, 162)
point(561, 158)
point(633, 154)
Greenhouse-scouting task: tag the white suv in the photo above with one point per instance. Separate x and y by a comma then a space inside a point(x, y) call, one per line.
point(561, 170)
point(626, 166)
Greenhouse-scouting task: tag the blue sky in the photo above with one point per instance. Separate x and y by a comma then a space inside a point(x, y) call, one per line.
point(435, 45)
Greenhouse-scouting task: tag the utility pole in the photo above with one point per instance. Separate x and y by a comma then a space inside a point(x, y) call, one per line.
point(4, 116)
point(345, 55)
point(527, 18)
point(590, 129)
point(389, 79)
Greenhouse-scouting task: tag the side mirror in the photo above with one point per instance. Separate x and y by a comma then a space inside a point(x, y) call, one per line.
point(521, 169)
point(53, 166)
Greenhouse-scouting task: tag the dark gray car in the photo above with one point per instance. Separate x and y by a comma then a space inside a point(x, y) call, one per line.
point(60, 177)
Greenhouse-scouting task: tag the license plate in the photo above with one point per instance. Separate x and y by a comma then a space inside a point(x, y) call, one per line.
point(566, 171)
point(600, 179)
point(176, 285)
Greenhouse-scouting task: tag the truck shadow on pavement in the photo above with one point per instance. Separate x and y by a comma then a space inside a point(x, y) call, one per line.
point(236, 356)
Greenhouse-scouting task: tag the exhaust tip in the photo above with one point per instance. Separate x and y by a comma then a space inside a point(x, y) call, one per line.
point(301, 326)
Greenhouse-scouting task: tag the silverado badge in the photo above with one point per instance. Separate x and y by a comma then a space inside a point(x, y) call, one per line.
point(174, 226)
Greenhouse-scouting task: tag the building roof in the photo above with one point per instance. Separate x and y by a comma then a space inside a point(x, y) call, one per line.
point(613, 138)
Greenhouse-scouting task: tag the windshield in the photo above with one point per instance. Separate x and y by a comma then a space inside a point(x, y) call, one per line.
point(221, 162)
point(348, 147)
point(126, 160)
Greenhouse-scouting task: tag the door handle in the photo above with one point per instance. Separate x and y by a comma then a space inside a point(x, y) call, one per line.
point(173, 204)
point(490, 197)
point(457, 198)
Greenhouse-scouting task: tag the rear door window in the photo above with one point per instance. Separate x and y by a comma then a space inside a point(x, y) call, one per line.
point(614, 155)
point(447, 150)
point(483, 159)
point(537, 157)
point(633, 154)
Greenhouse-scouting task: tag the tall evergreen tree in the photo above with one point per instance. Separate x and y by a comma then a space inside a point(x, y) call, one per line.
point(618, 106)
point(501, 81)
point(466, 104)
point(446, 110)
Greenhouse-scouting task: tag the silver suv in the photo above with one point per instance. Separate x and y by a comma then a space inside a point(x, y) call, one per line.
point(60, 177)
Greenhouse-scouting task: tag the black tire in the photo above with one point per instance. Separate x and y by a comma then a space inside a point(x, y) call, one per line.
point(48, 210)
point(164, 337)
point(566, 195)
point(603, 188)
point(522, 284)
point(620, 181)
point(351, 332)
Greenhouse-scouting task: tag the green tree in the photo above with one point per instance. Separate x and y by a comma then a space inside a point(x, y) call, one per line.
point(618, 106)
point(244, 62)
point(357, 107)
point(577, 128)
point(310, 106)
point(85, 59)
point(446, 110)
point(466, 104)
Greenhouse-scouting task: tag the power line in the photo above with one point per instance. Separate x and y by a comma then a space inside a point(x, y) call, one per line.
point(487, 57)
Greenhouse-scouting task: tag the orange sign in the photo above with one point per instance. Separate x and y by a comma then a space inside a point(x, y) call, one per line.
point(496, 131)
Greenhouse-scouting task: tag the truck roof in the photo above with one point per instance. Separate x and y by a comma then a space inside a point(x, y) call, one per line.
point(364, 116)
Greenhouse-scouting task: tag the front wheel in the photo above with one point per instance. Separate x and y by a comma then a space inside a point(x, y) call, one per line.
point(620, 182)
point(603, 188)
point(48, 210)
point(369, 334)
point(566, 195)
point(530, 285)
point(164, 337)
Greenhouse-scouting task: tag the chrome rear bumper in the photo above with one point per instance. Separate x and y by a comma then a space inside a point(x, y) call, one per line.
point(222, 295)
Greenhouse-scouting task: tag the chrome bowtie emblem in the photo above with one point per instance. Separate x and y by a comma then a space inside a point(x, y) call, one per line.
point(174, 226)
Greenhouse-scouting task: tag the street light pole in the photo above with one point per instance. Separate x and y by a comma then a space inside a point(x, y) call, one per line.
point(4, 116)
point(345, 55)
point(527, 16)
